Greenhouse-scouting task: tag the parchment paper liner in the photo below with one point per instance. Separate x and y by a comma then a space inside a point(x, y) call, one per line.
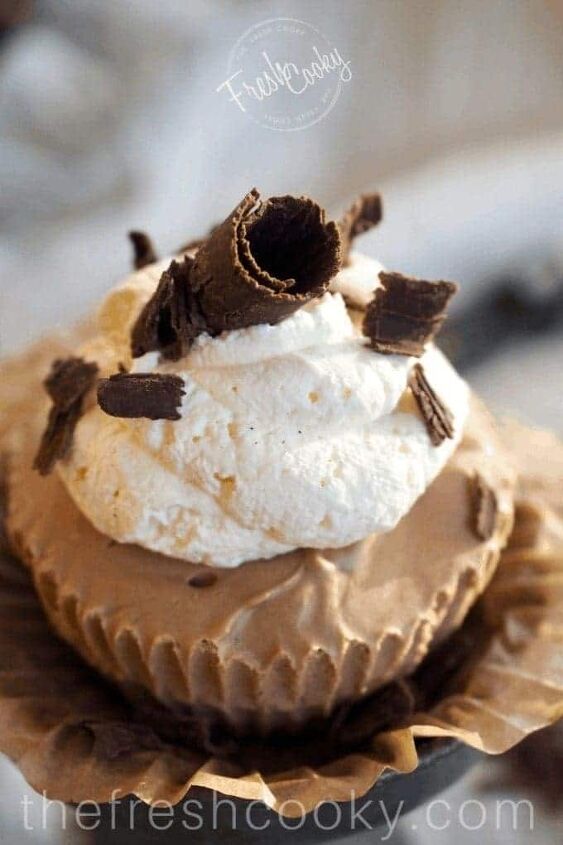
point(500, 679)
point(72, 736)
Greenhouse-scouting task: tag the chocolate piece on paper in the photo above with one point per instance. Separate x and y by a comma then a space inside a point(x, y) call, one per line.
point(485, 507)
point(437, 418)
point(264, 262)
point(155, 396)
point(406, 313)
point(143, 249)
point(170, 321)
point(365, 213)
point(67, 384)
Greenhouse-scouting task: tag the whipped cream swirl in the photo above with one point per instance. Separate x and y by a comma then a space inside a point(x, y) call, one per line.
point(291, 435)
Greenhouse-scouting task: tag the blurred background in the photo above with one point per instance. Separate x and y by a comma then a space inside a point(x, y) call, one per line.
point(110, 120)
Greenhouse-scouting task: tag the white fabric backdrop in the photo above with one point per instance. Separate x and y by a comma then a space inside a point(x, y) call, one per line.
point(109, 119)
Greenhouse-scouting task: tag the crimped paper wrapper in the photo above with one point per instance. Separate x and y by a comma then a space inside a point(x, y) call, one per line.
point(499, 679)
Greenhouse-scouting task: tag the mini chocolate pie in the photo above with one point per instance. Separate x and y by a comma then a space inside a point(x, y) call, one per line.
point(236, 495)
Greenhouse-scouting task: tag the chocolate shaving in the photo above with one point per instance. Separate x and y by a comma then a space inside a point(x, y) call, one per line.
point(437, 418)
point(156, 396)
point(406, 313)
point(67, 384)
point(143, 249)
point(365, 213)
point(485, 507)
point(202, 579)
point(170, 321)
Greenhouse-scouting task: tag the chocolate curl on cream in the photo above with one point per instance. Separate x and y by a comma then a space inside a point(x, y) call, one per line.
point(365, 213)
point(265, 261)
point(67, 384)
point(406, 313)
point(437, 417)
point(156, 396)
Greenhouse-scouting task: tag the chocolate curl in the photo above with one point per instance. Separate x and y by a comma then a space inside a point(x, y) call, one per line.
point(264, 262)
point(406, 313)
point(170, 321)
point(365, 213)
point(143, 249)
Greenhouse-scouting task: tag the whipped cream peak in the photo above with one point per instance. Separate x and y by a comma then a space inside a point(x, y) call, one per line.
point(291, 435)
point(358, 280)
point(321, 322)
